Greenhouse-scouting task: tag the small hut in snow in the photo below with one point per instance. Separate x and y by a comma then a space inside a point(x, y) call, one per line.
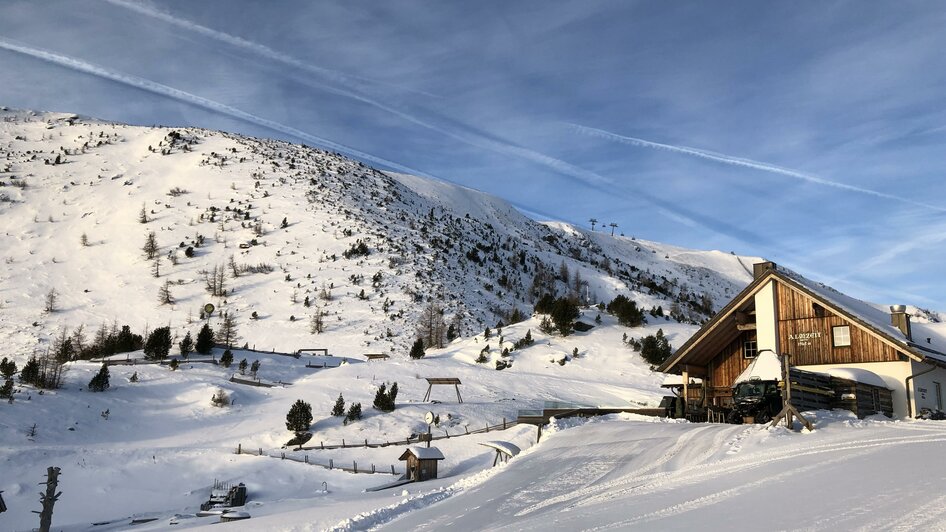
point(421, 462)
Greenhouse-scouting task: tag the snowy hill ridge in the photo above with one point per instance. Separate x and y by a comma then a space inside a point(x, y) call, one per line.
point(74, 191)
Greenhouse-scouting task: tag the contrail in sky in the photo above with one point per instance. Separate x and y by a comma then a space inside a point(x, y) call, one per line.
point(199, 101)
point(350, 81)
point(746, 163)
point(474, 139)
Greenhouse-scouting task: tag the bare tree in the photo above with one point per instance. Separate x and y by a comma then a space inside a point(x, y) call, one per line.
point(227, 332)
point(234, 268)
point(215, 281)
point(143, 215)
point(151, 246)
point(78, 338)
point(156, 267)
point(317, 323)
point(164, 293)
point(325, 293)
point(432, 328)
point(52, 297)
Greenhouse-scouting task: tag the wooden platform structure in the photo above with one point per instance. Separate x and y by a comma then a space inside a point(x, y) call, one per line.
point(314, 351)
point(560, 409)
point(504, 450)
point(376, 356)
point(431, 381)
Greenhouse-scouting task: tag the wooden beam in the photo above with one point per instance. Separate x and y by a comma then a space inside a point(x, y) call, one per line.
point(745, 326)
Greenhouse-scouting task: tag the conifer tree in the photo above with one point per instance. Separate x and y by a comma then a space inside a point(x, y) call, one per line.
point(158, 344)
point(186, 345)
point(354, 413)
point(205, 340)
point(417, 350)
point(299, 417)
point(6, 391)
point(30, 372)
point(226, 358)
point(339, 408)
point(99, 382)
point(7, 368)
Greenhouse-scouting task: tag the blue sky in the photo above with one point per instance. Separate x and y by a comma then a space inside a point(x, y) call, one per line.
point(810, 133)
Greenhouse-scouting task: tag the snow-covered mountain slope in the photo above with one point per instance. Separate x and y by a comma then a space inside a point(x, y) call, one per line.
point(75, 192)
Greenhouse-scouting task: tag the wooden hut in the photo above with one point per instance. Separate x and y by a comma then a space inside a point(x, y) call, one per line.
point(882, 362)
point(421, 462)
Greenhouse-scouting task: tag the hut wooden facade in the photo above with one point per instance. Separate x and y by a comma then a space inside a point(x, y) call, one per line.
point(422, 462)
point(823, 331)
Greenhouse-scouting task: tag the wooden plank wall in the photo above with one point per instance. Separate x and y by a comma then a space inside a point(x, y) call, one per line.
point(797, 317)
point(726, 366)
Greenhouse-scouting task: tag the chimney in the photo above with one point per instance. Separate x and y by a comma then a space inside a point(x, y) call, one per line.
point(900, 319)
point(759, 268)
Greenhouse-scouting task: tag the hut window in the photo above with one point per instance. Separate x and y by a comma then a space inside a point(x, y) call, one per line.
point(750, 349)
point(841, 335)
point(818, 310)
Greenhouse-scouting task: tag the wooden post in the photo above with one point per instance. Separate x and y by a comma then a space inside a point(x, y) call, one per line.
point(427, 396)
point(48, 499)
point(686, 391)
point(366, 443)
point(331, 464)
point(392, 470)
point(354, 465)
point(787, 409)
point(372, 469)
point(261, 451)
point(307, 459)
point(538, 434)
point(504, 423)
point(322, 445)
point(239, 448)
point(457, 387)
point(343, 443)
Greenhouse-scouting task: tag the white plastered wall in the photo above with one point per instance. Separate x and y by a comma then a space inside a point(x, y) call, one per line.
point(924, 389)
point(765, 318)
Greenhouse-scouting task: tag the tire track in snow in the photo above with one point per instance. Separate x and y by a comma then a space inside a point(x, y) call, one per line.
point(595, 486)
point(928, 516)
point(720, 496)
point(700, 472)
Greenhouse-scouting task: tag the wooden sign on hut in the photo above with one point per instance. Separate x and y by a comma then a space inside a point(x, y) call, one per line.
point(421, 462)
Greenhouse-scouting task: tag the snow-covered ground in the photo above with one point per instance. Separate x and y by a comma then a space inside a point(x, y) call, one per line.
point(164, 444)
point(628, 473)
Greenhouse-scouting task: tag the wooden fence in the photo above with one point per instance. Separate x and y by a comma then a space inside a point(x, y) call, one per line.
point(365, 444)
point(371, 469)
